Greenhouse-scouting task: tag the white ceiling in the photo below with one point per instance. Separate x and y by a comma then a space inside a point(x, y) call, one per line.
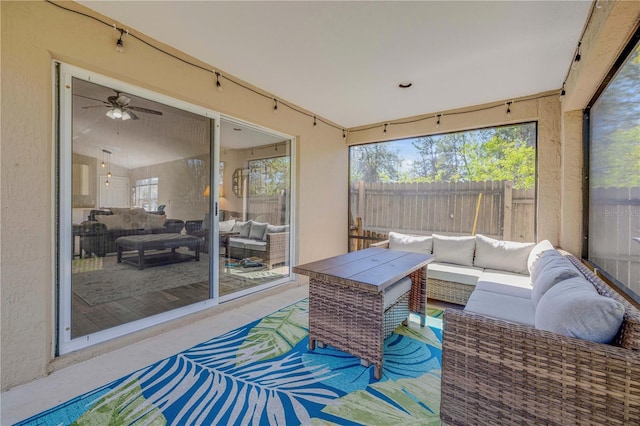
point(343, 60)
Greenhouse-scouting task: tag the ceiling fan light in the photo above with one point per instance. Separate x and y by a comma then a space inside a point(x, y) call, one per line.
point(117, 113)
point(125, 115)
point(110, 114)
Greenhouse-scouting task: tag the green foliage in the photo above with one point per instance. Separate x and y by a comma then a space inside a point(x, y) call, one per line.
point(617, 163)
point(378, 162)
point(501, 153)
point(269, 176)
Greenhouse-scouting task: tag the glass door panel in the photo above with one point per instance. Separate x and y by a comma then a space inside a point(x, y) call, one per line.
point(140, 209)
point(254, 209)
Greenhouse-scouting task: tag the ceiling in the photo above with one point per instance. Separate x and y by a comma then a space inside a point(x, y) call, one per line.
point(343, 60)
point(151, 139)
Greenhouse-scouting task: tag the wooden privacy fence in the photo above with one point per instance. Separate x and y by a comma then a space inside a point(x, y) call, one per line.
point(490, 208)
point(272, 209)
point(614, 233)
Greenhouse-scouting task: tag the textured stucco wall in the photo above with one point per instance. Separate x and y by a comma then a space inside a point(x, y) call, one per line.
point(35, 33)
point(572, 161)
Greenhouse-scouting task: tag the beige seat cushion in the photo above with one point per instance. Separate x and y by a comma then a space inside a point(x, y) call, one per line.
point(394, 291)
point(454, 273)
point(508, 283)
point(501, 306)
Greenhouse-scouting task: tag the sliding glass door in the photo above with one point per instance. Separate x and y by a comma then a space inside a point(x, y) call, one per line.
point(135, 208)
point(255, 208)
point(164, 208)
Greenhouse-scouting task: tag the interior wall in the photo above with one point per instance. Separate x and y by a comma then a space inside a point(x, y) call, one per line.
point(33, 35)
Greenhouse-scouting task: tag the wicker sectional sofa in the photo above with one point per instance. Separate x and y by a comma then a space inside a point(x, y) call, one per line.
point(249, 239)
point(565, 350)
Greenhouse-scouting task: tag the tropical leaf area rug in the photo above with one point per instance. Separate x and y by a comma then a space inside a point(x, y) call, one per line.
point(264, 374)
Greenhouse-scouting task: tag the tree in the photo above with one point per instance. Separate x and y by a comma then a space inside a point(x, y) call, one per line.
point(376, 162)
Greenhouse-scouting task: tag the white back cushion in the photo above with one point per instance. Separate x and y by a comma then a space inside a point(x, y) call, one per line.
point(507, 256)
point(412, 243)
point(458, 250)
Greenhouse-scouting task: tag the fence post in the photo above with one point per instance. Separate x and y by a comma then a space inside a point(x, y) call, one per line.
point(508, 211)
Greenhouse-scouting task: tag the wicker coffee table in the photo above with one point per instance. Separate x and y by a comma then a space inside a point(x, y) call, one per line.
point(158, 242)
point(346, 298)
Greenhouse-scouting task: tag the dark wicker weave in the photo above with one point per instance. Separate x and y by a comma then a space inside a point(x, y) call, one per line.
point(346, 306)
point(496, 372)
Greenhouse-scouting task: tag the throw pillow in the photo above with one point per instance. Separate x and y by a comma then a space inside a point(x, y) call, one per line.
point(111, 221)
point(226, 225)
point(458, 250)
point(544, 259)
point(574, 308)
point(507, 256)
point(275, 229)
point(257, 230)
point(412, 243)
point(243, 228)
point(155, 221)
point(555, 272)
point(536, 252)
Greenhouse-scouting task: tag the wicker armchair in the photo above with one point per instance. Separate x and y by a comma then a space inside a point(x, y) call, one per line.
point(497, 372)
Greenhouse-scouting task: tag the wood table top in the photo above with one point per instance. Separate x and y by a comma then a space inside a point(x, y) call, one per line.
point(373, 268)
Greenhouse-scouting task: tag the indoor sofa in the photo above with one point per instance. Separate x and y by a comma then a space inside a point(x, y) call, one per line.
point(99, 233)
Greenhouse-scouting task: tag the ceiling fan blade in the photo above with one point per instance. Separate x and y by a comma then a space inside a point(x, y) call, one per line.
point(97, 106)
point(91, 99)
point(145, 110)
point(131, 114)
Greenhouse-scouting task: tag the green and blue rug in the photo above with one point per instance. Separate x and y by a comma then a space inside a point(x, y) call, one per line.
point(263, 374)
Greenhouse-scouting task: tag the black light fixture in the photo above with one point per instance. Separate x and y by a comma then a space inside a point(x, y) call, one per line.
point(562, 93)
point(120, 43)
point(385, 129)
point(405, 84)
point(218, 84)
point(315, 122)
point(438, 121)
point(104, 151)
point(509, 108)
point(275, 105)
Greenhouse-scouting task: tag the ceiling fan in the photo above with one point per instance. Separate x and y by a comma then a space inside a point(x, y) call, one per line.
point(119, 108)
